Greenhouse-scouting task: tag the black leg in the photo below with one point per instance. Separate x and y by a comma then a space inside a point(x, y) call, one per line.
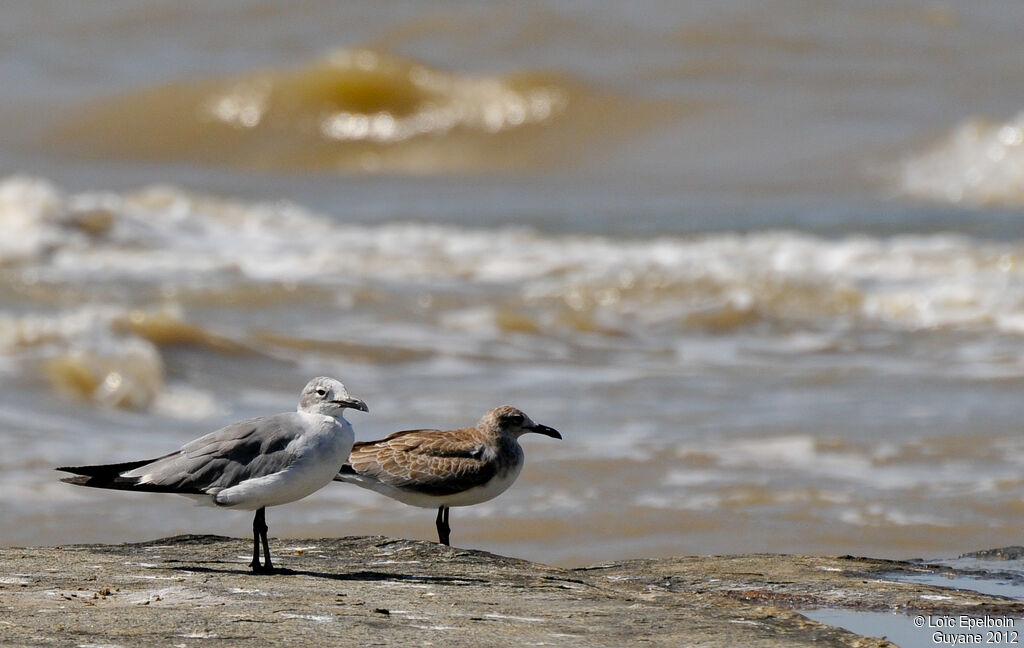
point(259, 533)
point(443, 530)
point(268, 567)
point(255, 564)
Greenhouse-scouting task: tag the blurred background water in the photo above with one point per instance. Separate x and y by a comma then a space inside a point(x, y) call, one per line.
point(760, 262)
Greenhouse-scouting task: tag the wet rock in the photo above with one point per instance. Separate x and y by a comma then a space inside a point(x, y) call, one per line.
point(1002, 553)
point(196, 590)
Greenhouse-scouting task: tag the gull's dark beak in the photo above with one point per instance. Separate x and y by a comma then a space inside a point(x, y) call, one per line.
point(546, 431)
point(353, 403)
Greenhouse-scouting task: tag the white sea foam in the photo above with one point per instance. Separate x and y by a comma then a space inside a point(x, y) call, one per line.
point(829, 471)
point(876, 514)
point(981, 161)
point(508, 293)
point(172, 238)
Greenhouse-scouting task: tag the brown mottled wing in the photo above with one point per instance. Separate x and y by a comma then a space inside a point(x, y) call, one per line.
point(433, 462)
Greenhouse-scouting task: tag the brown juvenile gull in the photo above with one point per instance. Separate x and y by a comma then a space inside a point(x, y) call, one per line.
point(249, 465)
point(445, 468)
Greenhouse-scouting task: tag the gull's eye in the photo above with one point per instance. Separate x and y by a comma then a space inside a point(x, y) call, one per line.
point(321, 392)
point(513, 419)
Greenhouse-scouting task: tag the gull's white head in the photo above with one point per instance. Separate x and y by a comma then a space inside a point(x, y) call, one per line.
point(510, 420)
point(329, 397)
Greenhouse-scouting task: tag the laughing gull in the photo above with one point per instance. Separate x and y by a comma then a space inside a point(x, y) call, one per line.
point(446, 468)
point(249, 465)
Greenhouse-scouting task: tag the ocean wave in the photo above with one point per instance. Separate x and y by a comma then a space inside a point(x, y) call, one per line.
point(823, 473)
point(354, 111)
point(81, 354)
point(192, 247)
point(981, 162)
point(97, 284)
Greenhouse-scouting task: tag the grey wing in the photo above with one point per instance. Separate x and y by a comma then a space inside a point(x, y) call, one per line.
point(227, 457)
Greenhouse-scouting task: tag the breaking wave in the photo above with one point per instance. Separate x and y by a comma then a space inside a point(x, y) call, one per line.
point(354, 111)
point(981, 162)
point(96, 285)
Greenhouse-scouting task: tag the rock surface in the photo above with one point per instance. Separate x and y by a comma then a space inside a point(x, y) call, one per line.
point(376, 591)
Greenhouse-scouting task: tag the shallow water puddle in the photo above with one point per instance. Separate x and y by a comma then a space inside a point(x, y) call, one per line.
point(920, 631)
point(897, 628)
point(995, 584)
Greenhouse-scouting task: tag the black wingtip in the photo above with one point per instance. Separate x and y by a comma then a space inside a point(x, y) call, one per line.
point(105, 470)
point(104, 475)
point(110, 476)
point(347, 469)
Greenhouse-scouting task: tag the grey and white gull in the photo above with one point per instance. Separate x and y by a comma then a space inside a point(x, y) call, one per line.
point(249, 465)
point(445, 468)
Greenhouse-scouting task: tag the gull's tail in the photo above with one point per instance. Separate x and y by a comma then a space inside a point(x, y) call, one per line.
point(106, 476)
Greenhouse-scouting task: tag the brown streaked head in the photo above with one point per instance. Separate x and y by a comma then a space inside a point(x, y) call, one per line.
point(510, 420)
